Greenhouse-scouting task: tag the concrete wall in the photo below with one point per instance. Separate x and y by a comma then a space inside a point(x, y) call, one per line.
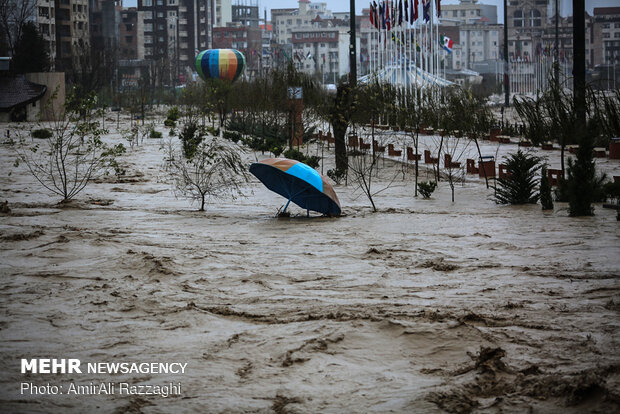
point(49, 109)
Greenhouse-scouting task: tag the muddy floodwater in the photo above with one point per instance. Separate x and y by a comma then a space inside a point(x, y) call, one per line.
point(423, 306)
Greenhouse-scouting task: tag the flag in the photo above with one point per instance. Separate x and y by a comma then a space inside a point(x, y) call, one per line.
point(382, 13)
point(376, 16)
point(426, 6)
point(446, 43)
point(414, 10)
point(438, 6)
point(400, 12)
point(372, 15)
point(309, 55)
point(388, 24)
point(406, 11)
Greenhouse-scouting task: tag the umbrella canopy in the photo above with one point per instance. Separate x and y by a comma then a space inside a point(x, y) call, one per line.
point(299, 183)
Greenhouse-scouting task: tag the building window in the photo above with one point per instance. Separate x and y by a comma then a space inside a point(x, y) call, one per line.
point(535, 19)
point(617, 35)
point(606, 36)
point(43, 11)
point(147, 3)
point(605, 25)
point(128, 39)
point(518, 18)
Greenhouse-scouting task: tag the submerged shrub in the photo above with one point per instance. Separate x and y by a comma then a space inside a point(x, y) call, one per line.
point(173, 114)
point(545, 191)
point(191, 136)
point(41, 133)
point(154, 134)
point(426, 188)
point(170, 123)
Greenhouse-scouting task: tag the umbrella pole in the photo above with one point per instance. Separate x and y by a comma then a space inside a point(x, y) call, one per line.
point(286, 206)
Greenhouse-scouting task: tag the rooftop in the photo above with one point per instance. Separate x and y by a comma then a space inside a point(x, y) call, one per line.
point(16, 91)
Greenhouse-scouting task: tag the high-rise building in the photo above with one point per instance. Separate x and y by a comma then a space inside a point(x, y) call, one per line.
point(174, 32)
point(606, 36)
point(222, 13)
point(469, 12)
point(245, 13)
point(72, 34)
point(46, 21)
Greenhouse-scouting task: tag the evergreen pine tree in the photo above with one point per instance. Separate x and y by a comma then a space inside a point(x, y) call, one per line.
point(545, 191)
point(519, 185)
point(31, 54)
point(581, 181)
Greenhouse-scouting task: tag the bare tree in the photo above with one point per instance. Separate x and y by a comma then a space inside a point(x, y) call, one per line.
point(361, 168)
point(73, 155)
point(13, 15)
point(215, 170)
point(454, 148)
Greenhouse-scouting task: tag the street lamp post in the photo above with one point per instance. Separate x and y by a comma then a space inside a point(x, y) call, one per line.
point(352, 51)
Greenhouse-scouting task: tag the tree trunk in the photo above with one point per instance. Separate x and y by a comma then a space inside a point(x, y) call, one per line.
point(417, 138)
point(579, 53)
point(339, 125)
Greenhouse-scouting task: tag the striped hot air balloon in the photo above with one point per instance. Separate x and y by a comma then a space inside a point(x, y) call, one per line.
point(225, 64)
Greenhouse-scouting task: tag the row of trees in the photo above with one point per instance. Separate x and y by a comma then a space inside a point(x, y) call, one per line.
point(262, 114)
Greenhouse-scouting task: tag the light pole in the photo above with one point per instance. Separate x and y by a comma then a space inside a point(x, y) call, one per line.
point(175, 19)
point(352, 43)
point(506, 65)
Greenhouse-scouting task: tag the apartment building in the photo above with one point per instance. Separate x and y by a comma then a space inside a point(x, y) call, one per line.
point(605, 36)
point(245, 13)
point(322, 51)
point(174, 32)
point(307, 15)
point(222, 13)
point(469, 12)
point(72, 34)
point(46, 22)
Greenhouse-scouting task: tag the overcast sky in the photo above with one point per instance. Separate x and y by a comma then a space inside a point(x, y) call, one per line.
point(343, 5)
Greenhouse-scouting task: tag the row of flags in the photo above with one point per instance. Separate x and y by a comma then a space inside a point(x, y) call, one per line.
point(391, 13)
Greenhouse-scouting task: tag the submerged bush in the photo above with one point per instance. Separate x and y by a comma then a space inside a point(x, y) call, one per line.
point(154, 134)
point(173, 114)
point(41, 133)
point(170, 123)
point(426, 188)
point(191, 136)
point(545, 191)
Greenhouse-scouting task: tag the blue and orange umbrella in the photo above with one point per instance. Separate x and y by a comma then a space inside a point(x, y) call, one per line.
point(225, 64)
point(299, 183)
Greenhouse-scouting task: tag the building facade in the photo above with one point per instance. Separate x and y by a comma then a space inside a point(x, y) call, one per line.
point(605, 36)
point(174, 32)
point(324, 52)
point(469, 12)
